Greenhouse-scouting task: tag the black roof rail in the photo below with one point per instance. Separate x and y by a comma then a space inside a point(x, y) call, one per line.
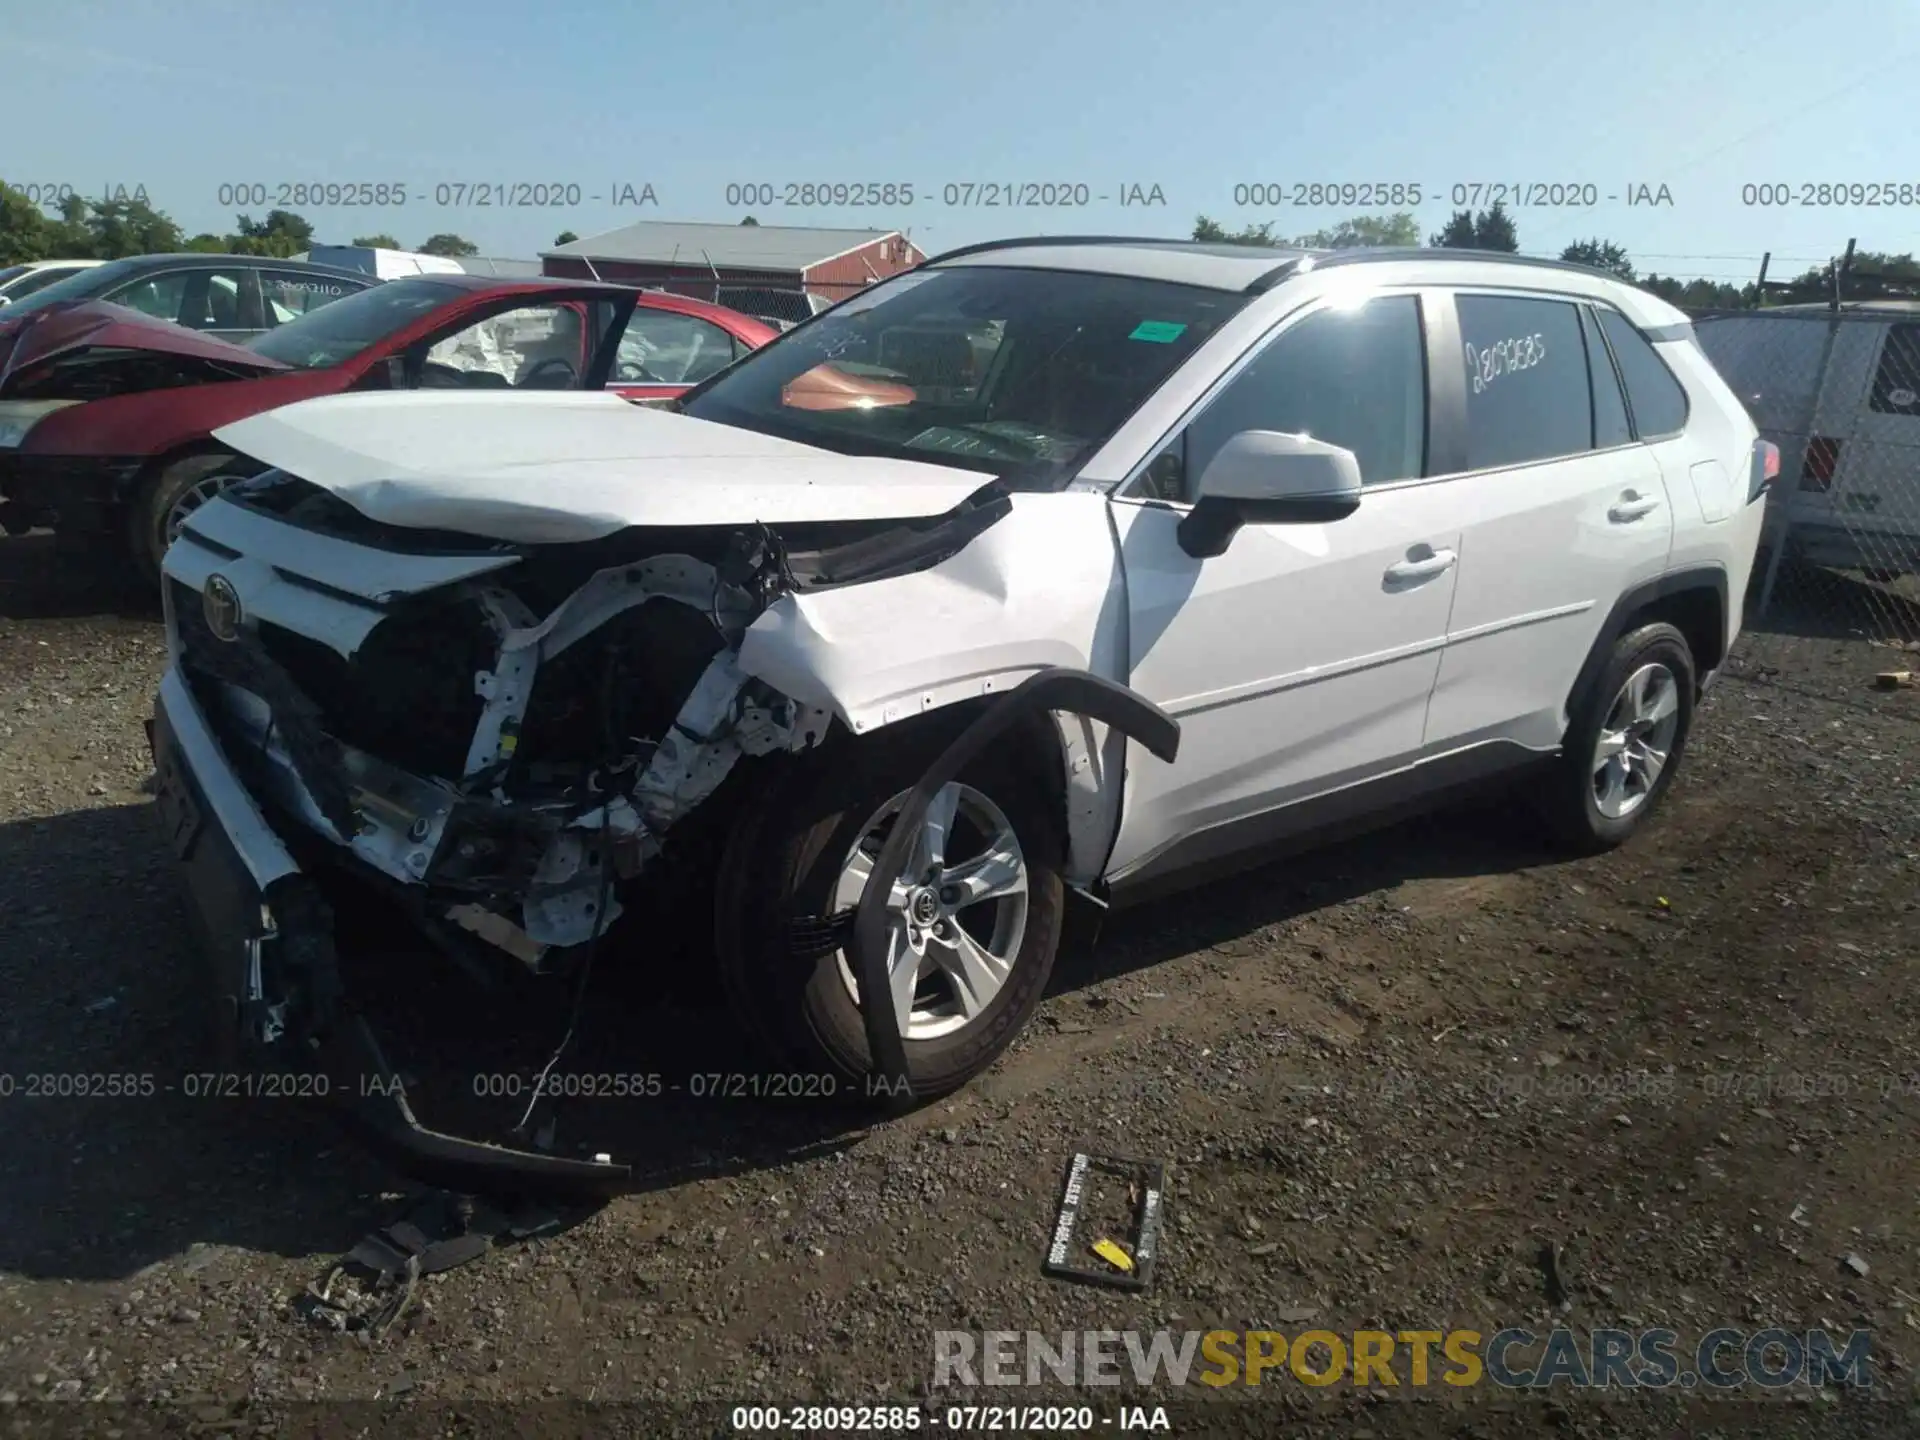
point(1285, 270)
point(1379, 254)
point(1021, 242)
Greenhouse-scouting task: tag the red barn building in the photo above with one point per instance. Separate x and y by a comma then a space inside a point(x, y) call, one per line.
point(783, 272)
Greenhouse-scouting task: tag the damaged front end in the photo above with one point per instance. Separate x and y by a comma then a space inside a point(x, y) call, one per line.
point(507, 739)
point(72, 355)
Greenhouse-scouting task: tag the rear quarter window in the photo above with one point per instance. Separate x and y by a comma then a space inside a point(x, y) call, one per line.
point(1658, 402)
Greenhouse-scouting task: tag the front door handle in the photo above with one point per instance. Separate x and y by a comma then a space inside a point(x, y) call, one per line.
point(1424, 568)
point(1632, 506)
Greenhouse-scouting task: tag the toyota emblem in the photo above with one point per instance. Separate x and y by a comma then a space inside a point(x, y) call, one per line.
point(220, 603)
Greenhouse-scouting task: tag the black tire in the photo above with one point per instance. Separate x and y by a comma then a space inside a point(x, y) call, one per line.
point(1567, 802)
point(153, 502)
point(781, 866)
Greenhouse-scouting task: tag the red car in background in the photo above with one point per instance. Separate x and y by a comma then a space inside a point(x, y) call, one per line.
point(106, 414)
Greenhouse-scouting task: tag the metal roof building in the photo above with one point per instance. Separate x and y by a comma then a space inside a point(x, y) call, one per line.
point(784, 272)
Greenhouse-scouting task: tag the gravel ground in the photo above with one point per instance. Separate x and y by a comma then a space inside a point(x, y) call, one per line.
point(1383, 1076)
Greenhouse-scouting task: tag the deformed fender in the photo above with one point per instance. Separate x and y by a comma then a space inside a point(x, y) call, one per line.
point(1078, 692)
point(1040, 589)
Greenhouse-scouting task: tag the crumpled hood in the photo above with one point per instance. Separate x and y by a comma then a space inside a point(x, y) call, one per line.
point(96, 324)
point(552, 467)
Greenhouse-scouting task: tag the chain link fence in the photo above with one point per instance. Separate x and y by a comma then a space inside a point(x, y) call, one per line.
point(1838, 390)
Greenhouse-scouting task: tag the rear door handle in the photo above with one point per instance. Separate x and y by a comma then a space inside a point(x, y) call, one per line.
point(1425, 568)
point(1631, 507)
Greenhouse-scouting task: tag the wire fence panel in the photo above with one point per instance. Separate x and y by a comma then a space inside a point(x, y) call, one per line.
point(1838, 390)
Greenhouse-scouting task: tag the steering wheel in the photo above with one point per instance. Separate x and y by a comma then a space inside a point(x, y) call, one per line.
point(554, 365)
point(434, 375)
point(632, 372)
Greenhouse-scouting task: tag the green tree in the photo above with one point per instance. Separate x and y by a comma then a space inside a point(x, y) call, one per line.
point(1493, 230)
point(206, 244)
point(1364, 230)
point(1457, 234)
point(1698, 294)
point(1213, 232)
point(1489, 230)
point(24, 231)
point(377, 242)
point(71, 237)
point(281, 234)
point(1598, 254)
point(565, 237)
point(116, 228)
point(449, 245)
point(749, 220)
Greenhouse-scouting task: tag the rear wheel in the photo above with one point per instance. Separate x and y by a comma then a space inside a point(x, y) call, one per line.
point(1624, 747)
point(973, 924)
point(168, 497)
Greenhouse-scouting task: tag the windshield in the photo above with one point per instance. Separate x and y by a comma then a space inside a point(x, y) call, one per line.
point(80, 285)
point(1019, 373)
point(341, 329)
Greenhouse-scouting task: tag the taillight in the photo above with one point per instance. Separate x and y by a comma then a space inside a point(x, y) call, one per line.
point(1766, 469)
point(1823, 459)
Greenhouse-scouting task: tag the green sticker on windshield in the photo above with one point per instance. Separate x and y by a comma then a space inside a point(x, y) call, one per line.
point(1161, 332)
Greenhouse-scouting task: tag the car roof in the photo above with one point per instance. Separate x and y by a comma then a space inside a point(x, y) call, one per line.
point(171, 260)
point(1256, 268)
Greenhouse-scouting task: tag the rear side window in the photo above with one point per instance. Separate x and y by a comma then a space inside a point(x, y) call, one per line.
point(1896, 382)
point(1526, 370)
point(1654, 398)
point(1610, 425)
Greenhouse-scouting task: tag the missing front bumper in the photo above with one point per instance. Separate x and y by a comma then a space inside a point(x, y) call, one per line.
point(265, 933)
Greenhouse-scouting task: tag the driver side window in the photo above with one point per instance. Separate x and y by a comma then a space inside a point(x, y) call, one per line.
point(534, 346)
point(1353, 377)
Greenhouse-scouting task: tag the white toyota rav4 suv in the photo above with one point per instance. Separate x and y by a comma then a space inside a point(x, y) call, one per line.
point(1050, 567)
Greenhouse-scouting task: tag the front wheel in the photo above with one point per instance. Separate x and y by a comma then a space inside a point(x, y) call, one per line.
point(168, 497)
point(1625, 745)
point(974, 923)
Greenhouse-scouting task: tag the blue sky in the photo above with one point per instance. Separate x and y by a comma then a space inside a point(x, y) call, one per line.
point(182, 96)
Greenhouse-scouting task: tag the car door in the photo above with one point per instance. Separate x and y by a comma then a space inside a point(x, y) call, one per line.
point(1300, 660)
point(664, 353)
point(221, 300)
point(1563, 511)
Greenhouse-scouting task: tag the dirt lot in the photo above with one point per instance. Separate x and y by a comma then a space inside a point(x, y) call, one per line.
point(1383, 1077)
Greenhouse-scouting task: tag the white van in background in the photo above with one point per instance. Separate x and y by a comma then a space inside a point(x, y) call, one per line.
point(1839, 392)
point(387, 264)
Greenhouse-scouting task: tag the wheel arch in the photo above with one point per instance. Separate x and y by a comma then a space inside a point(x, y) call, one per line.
point(1695, 601)
point(1051, 689)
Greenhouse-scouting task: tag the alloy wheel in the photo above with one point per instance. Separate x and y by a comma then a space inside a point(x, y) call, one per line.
point(955, 918)
point(1636, 741)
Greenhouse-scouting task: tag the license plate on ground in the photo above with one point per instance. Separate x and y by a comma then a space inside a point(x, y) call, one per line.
point(180, 818)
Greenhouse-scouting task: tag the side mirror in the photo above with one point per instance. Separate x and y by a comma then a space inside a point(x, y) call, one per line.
point(1272, 478)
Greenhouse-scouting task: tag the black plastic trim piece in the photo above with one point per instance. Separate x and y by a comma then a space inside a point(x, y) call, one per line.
point(1077, 692)
point(377, 1111)
point(1701, 577)
point(1209, 527)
